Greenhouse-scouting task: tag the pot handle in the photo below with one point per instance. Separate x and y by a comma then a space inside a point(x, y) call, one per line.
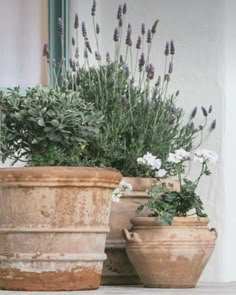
point(131, 236)
point(213, 230)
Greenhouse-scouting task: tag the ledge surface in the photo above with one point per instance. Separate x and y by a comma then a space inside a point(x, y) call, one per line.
point(201, 289)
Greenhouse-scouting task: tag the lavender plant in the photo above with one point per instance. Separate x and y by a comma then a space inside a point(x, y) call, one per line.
point(139, 112)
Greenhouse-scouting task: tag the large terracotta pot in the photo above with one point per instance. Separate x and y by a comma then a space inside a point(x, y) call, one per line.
point(53, 226)
point(117, 269)
point(170, 256)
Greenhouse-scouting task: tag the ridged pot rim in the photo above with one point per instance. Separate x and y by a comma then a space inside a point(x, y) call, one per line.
point(141, 184)
point(59, 176)
point(177, 221)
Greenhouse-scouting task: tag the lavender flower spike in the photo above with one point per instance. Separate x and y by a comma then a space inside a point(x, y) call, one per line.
point(119, 12)
point(149, 36)
point(76, 22)
point(138, 44)
point(150, 72)
point(84, 32)
point(97, 29)
point(116, 35)
point(193, 114)
point(93, 10)
point(73, 41)
point(60, 25)
point(172, 47)
point(143, 29)
point(124, 8)
point(167, 49)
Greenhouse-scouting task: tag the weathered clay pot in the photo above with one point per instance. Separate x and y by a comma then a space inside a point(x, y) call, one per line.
point(170, 256)
point(53, 226)
point(117, 269)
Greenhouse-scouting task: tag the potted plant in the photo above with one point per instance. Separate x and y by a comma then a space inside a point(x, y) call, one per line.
point(170, 247)
point(54, 213)
point(140, 115)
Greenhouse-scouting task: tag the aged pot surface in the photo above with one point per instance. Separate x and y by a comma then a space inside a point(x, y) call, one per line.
point(170, 256)
point(117, 269)
point(53, 226)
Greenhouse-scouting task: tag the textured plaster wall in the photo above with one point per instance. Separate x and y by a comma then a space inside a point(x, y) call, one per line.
point(22, 27)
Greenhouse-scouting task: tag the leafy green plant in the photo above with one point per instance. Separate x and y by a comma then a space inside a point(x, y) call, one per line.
point(165, 202)
point(47, 127)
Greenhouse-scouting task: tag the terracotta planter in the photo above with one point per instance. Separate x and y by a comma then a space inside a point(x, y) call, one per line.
point(117, 269)
point(53, 226)
point(170, 256)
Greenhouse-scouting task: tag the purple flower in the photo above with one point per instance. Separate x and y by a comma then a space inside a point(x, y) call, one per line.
point(93, 10)
point(143, 29)
point(194, 112)
point(141, 62)
point(128, 37)
point(87, 44)
point(97, 29)
point(84, 32)
point(150, 71)
point(124, 8)
point(73, 41)
point(154, 27)
point(119, 12)
point(116, 35)
point(149, 36)
point(210, 109)
point(77, 52)
point(213, 125)
point(172, 47)
point(76, 22)
point(138, 44)
point(167, 49)
point(170, 68)
point(204, 111)
point(108, 59)
point(59, 26)
point(97, 56)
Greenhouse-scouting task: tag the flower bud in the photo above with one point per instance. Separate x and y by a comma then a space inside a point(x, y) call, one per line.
point(172, 47)
point(149, 36)
point(124, 8)
point(155, 26)
point(116, 35)
point(213, 125)
point(167, 50)
point(210, 109)
point(138, 44)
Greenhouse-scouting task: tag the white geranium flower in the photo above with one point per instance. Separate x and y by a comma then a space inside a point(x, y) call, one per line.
point(160, 173)
point(172, 158)
point(205, 155)
point(178, 155)
point(116, 194)
point(181, 154)
point(152, 161)
point(125, 186)
point(141, 161)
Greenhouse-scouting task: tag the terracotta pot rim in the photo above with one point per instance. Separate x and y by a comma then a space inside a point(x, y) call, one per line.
point(177, 221)
point(59, 176)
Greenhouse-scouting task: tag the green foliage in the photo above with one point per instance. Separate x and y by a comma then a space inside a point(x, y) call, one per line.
point(164, 203)
point(47, 127)
point(136, 119)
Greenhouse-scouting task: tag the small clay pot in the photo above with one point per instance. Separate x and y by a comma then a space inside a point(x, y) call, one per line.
point(170, 256)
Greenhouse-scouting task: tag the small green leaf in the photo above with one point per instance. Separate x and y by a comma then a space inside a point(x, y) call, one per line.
point(41, 122)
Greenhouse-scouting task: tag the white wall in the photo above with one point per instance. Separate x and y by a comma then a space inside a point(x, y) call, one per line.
point(22, 25)
point(204, 32)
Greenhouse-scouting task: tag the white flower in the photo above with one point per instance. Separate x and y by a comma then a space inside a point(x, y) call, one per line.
point(205, 156)
point(141, 161)
point(178, 155)
point(181, 154)
point(152, 161)
point(172, 158)
point(160, 173)
point(125, 186)
point(116, 194)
